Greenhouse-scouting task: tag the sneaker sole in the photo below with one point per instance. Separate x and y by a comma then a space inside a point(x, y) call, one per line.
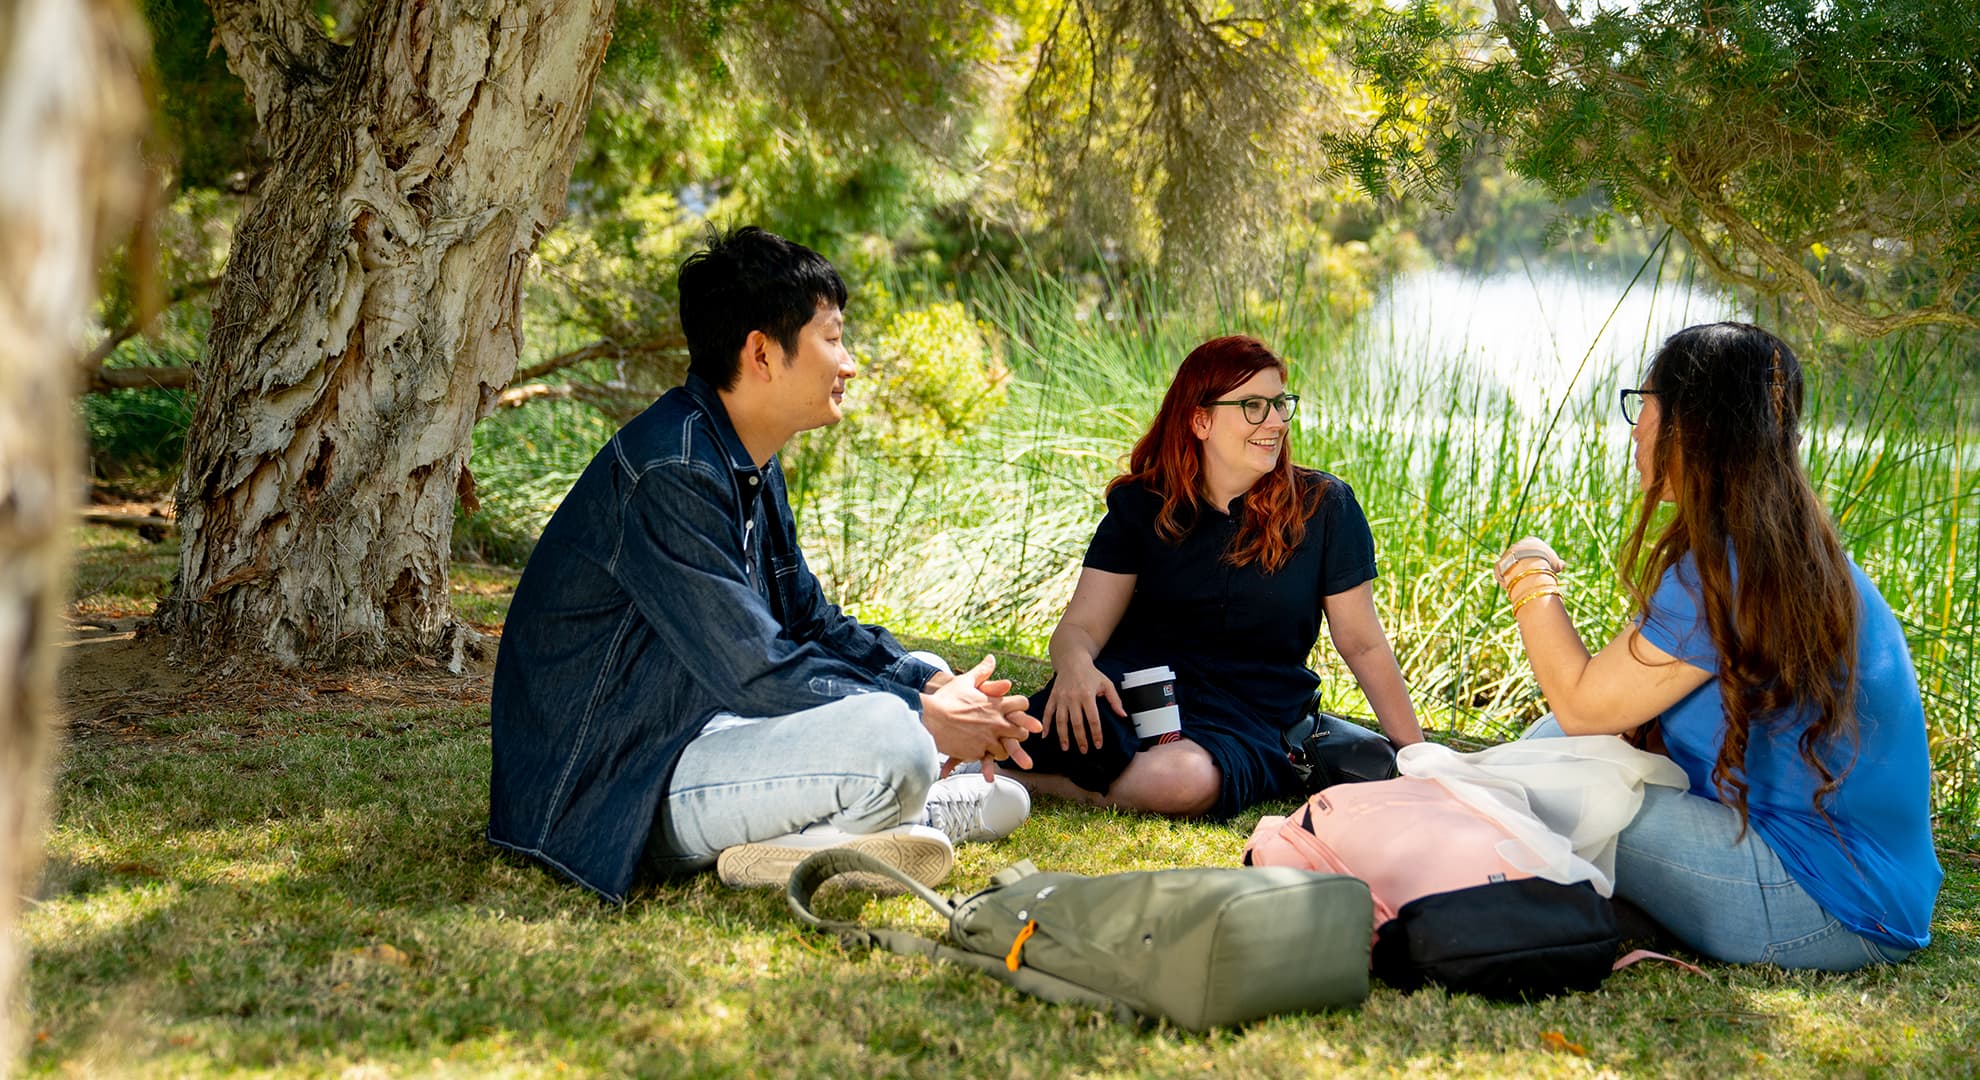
point(769, 864)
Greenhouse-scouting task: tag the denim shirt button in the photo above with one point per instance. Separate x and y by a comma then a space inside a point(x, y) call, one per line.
point(752, 481)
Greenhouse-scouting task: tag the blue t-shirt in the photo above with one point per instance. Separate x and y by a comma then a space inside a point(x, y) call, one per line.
point(1875, 870)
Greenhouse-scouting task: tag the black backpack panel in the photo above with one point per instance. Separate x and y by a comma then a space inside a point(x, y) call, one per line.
point(1508, 940)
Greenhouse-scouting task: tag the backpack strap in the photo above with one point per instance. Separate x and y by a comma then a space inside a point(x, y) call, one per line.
point(1638, 955)
point(822, 866)
point(825, 865)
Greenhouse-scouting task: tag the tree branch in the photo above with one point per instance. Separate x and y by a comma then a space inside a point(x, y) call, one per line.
point(278, 50)
point(517, 396)
point(106, 380)
point(604, 349)
point(1789, 274)
point(617, 400)
point(1551, 14)
point(93, 363)
point(1772, 265)
point(152, 527)
point(525, 388)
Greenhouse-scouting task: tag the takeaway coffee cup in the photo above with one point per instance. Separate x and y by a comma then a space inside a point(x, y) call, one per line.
point(1149, 696)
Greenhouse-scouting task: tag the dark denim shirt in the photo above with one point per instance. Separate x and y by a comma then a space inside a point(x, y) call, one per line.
point(668, 587)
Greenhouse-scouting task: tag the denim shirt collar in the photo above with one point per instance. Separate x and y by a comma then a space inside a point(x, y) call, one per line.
point(705, 393)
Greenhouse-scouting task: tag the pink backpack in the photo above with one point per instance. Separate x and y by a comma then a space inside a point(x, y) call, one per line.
point(1407, 837)
point(1452, 902)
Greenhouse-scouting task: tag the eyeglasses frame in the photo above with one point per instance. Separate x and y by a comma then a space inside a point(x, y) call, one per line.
point(1623, 402)
point(1284, 404)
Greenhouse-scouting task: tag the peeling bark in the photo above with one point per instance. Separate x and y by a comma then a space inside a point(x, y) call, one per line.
point(71, 116)
point(370, 303)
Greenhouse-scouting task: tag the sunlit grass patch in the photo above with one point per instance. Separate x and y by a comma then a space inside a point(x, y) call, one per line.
point(374, 932)
point(119, 574)
point(481, 592)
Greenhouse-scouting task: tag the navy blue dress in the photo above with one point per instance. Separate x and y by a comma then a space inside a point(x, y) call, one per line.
point(1237, 637)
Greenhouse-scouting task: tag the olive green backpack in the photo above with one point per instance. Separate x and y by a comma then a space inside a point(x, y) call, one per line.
point(1202, 948)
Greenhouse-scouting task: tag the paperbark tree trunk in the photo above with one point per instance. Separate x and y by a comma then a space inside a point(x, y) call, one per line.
point(71, 117)
point(369, 315)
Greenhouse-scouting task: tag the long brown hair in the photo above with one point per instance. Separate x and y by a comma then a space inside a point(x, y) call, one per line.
point(1784, 627)
point(1168, 460)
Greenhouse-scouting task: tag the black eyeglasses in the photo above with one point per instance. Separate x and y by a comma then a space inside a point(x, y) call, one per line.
point(1254, 407)
point(1632, 403)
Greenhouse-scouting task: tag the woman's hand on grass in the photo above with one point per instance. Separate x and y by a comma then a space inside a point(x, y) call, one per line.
point(1074, 708)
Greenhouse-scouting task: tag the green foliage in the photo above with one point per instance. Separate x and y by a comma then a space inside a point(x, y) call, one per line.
point(136, 433)
point(202, 113)
point(833, 121)
point(524, 461)
point(928, 377)
point(1178, 130)
point(1819, 148)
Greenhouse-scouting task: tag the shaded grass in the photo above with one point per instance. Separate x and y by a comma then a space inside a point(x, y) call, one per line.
point(119, 575)
point(317, 899)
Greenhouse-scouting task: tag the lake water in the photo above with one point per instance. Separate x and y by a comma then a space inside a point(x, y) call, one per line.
point(1546, 338)
point(1539, 337)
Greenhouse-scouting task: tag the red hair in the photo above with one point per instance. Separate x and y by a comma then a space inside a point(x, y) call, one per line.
point(1169, 459)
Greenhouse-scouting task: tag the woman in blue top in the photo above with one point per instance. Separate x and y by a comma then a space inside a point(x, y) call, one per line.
point(1765, 664)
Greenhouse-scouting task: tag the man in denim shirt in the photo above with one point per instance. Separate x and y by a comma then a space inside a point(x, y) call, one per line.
point(673, 689)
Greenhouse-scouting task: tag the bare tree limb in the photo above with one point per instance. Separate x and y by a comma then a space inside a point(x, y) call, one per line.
point(1551, 14)
point(604, 349)
point(185, 291)
point(278, 49)
point(525, 388)
point(1786, 272)
point(516, 396)
point(111, 380)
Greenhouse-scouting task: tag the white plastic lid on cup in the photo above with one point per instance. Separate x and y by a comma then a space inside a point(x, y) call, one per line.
point(1146, 675)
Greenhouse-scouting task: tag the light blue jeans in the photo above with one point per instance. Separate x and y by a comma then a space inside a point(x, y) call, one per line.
point(862, 764)
point(1727, 896)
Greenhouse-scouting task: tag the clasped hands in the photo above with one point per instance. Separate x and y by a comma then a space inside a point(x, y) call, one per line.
point(974, 717)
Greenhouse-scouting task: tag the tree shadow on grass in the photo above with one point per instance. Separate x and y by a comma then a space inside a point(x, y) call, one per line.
point(318, 896)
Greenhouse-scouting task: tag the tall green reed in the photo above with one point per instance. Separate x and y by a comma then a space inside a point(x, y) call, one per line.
point(982, 540)
point(524, 461)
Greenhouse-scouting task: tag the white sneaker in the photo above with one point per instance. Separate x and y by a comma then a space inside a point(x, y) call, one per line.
point(920, 852)
point(966, 808)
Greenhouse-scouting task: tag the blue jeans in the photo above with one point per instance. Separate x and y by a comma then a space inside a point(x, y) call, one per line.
point(861, 764)
point(1727, 896)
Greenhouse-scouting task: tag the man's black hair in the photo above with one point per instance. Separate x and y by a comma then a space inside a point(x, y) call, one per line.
point(748, 279)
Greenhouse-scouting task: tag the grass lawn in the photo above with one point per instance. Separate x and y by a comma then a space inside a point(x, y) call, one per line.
point(303, 889)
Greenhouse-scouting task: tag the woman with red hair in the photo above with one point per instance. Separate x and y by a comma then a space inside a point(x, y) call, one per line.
point(1219, 559)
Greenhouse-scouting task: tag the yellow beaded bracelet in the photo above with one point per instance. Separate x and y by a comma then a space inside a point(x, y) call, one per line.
point(1544, 590)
